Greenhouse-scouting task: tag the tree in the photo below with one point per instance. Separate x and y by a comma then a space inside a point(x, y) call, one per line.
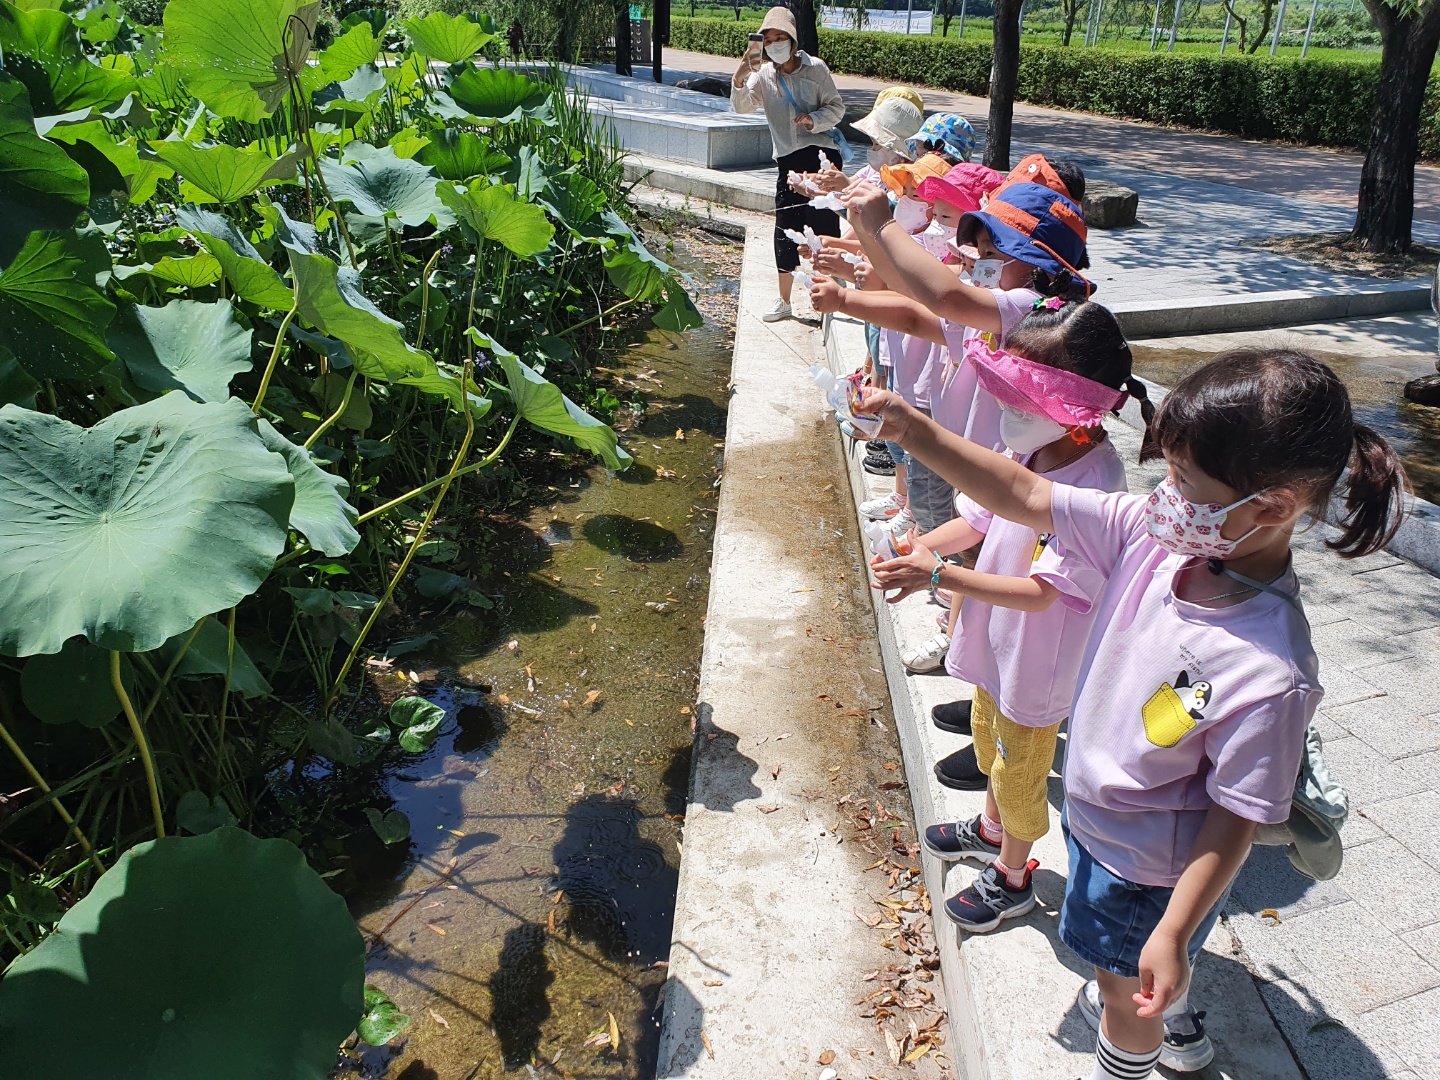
point(1266, 10)
point(806, 24)
point(624, 49)
point(1239, 19)
point(1004, 76)
point(947, 12)
point(1409, 34)
point(1071, 11)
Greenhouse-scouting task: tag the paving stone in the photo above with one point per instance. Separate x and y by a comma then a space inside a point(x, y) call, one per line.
point(1426, 942)
point(1410, 1027)
point(1327, 1045)
point(1369, 777)
point(1413, 820)
point(1415, 675)
point(1343, 686)
point(1355, 646)
point(1390, 725)
point(1269, 881)
point(1408, 899)
point(1320, 613)
point(1376, 608)
point(1359, 829)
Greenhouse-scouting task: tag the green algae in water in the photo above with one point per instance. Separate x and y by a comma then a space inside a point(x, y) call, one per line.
point(546, 825)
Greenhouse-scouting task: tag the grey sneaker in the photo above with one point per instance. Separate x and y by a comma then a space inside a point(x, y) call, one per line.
point(958, 840)
point(1186, 1047)
point(991, 900)
point(781, 310)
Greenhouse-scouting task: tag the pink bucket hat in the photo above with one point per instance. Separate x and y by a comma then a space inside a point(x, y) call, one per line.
point(965, 186)
point(1061, 396)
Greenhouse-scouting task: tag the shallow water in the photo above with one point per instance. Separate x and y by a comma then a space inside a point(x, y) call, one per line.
point(556, 801)
point(1375, 384)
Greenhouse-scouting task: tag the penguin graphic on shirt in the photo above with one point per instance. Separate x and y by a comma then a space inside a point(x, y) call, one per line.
point(1172, 711)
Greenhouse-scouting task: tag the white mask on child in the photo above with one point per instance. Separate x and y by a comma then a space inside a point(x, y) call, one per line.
point(936, 239)
point(1186, 528)
point(878, 158)
point(912, 215)
point(1025, 432)
point(779, 51)
point(987, 272)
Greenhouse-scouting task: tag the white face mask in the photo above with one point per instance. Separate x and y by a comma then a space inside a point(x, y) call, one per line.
point(779, 51)
point(912, 215)
point(879, 157)
point(987, 272)
point(1178, 525)
point(1025, 432)
point(936, 239)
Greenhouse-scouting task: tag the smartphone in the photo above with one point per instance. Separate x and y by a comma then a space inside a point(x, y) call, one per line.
point(757, 44)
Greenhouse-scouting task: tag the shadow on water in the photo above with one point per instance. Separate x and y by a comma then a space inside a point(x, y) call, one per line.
point(638, 541)
point(519, 993)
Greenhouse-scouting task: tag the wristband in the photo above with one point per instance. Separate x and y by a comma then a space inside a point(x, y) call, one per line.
point(935, 575)
point(887, 221)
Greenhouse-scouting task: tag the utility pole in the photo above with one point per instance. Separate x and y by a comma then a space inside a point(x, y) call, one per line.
point(1225, 37)
point(962, 18)
point(1175, 24)
point(1155, 26)
point(1308, 27)
point(909, 14)
point(1279, 22)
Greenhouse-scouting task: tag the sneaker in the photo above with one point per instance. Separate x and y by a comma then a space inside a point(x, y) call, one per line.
point(883, 507)
point(991, 900)
point(879, 466)
point(877, 446)
point(1186, 1047)
point(953, 716)
point(927, 657)
point(901, 523)
point(943, 597)
point(781, 310)
point(848, 430)
point(960, 840)
point(961, 771)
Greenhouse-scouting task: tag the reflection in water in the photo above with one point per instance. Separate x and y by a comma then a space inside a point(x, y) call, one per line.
point(518, 992)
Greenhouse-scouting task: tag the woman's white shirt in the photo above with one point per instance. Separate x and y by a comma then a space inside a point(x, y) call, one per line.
point(814, 92)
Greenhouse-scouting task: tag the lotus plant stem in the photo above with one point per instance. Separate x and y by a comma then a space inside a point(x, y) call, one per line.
point(274, 356)
point(593, 318)
point(472, 467)
point(330, 420)
point(140, 742)
point(455, 468)
point(425, 298)
point(39, 781)
point(225, 694)
point(169, 671)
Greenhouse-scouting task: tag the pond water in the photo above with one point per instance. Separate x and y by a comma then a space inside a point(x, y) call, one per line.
point(533, 908)
point(1375, 384)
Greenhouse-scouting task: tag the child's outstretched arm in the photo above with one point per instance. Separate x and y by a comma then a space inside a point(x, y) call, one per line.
point(1000, 484)
point(913, 270)
point(888, 310)
point(1220, 850)
point(914, 572)
point(953, 536)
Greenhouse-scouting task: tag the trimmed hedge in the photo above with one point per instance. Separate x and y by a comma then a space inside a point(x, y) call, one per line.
point(1320, 102)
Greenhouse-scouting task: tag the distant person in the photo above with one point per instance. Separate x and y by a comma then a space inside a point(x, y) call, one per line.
point(516, 38)
point(801, 106)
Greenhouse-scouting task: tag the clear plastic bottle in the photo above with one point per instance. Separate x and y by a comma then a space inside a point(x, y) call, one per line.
point(840, 396)
point(885, 543)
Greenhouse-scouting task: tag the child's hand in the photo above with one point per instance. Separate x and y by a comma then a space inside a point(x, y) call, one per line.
point(867, 279)
point(827, 295)
point(832, 263)
point(909, 573)
point(1164, 975)
point(895, 415)
point(869, 208)
point(831, 178)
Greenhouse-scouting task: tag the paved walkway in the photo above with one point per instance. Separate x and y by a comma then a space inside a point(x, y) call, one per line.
point(1325, 177)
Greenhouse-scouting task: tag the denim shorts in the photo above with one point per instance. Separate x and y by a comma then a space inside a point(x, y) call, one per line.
point(872, 342)
point(897, 453)
point(1107, 920)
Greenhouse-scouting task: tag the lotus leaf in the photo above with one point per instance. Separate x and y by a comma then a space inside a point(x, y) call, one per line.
point(222, 956)
point(209, 655)
point(378, 183)
point(73, 686)
point(573, 198)
point(43, 50)
point(192, 272)
point(382, 1021)
point(52, 319)
point(541, 403)
point(251, 276)
point(221, 173)
point(132, 530)
point(448, 38)
point(198, 814)
point(16, 385)
point(239, 55)
point(635, 272)
point(139, 176)
point(320, 513)
point(679, 313)
point(331, 739)
point(40, 187)
point(496, 214)
point(392, 828)
point(420, 722)
point(359, 45)
point(330, 390)
point(495, 93)
point(461, 155)
point(443, 383)
point(185, 345)
point(529, 173)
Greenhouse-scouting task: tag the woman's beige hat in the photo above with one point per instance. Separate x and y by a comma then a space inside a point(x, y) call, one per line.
point(903, 92)
point(890, 123)
point(779, 18)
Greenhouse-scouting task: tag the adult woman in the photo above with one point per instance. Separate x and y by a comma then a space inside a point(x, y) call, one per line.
point(801, 105)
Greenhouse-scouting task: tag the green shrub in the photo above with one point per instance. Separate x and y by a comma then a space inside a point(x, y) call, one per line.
point(1321, 102)
point(418, 9)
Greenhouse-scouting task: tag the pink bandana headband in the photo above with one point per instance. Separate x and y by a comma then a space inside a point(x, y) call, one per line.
point(1061, 396)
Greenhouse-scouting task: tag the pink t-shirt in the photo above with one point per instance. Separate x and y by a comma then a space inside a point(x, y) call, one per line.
point(1028, 660)
point(908, 358)
point(1178, 707)
point(956, 401)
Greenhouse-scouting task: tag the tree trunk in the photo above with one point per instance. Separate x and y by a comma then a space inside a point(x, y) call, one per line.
point(1072, 9)
point(805, 23)
point(1266, 10)
point(623, 48)
point(1004, 75)
point(1387, 180)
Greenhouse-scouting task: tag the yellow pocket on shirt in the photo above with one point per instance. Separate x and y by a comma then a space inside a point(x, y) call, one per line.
point(1165, 716)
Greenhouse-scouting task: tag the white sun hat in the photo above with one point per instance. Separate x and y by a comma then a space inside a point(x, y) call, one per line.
point(891, 123)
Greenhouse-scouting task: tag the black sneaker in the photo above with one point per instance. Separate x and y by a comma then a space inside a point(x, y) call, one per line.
point(878, 447)
point(961, 771)
point(879, 466)
point(953, 716)
point(960, 840)
point(991, 900)
point(1186, 1047)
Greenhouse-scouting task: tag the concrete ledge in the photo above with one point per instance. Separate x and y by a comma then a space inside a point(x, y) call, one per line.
point(1256, 311)
point(741, 190)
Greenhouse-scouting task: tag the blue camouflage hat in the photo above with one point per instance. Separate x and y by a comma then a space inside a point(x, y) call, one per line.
point(951, 132)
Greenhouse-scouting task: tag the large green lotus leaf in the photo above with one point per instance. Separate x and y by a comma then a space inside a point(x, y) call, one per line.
point(238, 55)
point(359, 45)
point(40, 187)
point(380, 184)
point(573, 198)
point(529, 174)
point(139, 175)
point(73, 686)
point(449, 38)
point(185, 345)
point(540, 401)
point(320, 513)
point(221, 956)
point(249, 275)
point(43, 50)
point(679, 312)
point(444, 384)
point(330, 300)
point(209, 655)
point(52, 318)
point(635, 272)
point(16, 385)
point(131, 531)
point(223, 173)
point(493, 93)
point(192, 272)
point(461, 155)
point(496, 214)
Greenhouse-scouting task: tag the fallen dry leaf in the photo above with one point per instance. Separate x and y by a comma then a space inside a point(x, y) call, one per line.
point(826, 1057)
point(432, 926)
point(890, 766)
point(713, 982)
point(593, 696)
point(768, 809)
point(705, 1038)
point(438, 1018)
point(916, 1054)
point(614, 1032)
point(512, 644)
point(550, 922)
point(1271, 913)
point(680, 434)
point(775, 772)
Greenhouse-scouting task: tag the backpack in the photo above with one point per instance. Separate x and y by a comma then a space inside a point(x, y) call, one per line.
point(1318, 809)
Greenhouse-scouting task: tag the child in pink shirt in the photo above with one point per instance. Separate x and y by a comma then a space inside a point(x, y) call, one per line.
point(1029, 603)
point(1198, 680)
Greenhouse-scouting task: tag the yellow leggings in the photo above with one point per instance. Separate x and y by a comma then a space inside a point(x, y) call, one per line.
point(1018, 760)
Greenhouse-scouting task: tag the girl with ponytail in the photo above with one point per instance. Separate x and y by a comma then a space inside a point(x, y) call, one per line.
point(1198, 680)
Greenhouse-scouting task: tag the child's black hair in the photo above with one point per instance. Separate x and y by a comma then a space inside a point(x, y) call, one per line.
point(936, 147)
point(1083, 339)
point(1073, 176)
point(1067, 286)
point(1256, 419)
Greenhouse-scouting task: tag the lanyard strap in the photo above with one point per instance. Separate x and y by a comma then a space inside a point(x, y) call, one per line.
point(786, 89)
point(1218, 567)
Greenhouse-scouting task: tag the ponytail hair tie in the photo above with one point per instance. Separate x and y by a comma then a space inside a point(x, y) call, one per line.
point(1049, 303)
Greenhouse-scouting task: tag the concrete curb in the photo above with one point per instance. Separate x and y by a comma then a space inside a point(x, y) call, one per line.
point(1257, 311)
point(710, 185)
